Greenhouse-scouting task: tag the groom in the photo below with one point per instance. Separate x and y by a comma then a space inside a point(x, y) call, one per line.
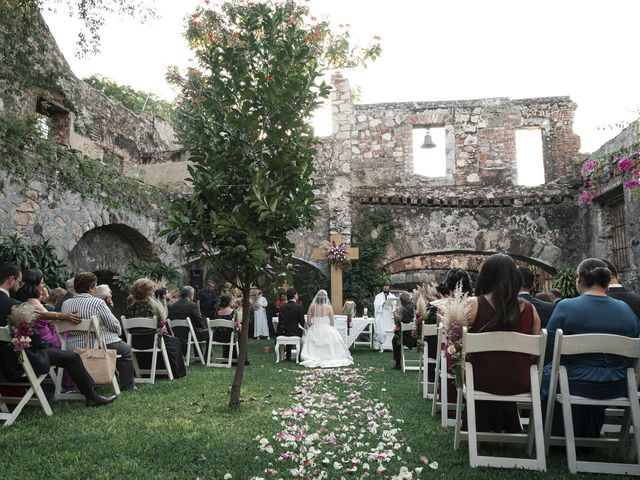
point(291, 319)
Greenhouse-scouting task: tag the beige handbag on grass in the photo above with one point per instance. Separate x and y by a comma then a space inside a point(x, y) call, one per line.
point(99, 362)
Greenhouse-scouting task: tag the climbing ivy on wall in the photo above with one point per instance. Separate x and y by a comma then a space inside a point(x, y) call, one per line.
point(25, 155)
point(365, 278)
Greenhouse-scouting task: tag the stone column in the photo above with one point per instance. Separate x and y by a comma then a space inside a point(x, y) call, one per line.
point(339, 176)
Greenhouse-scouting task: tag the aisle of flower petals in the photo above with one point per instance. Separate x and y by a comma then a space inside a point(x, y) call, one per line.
point(337, 428)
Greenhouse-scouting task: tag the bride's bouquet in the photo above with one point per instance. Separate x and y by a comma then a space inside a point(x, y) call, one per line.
point(456, 313)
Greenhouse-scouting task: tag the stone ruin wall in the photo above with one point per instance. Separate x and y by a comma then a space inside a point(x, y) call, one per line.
point(477, 206)
point(597, 221)
point(86, 120)
point(87, 234)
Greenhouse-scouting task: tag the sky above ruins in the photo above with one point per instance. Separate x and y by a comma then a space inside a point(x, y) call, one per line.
point(446, 50)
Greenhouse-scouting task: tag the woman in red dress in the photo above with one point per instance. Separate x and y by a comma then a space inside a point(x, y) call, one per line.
point(496, 307)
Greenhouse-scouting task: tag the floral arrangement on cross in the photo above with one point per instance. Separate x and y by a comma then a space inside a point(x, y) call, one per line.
point(337, 255)
point(623, 163)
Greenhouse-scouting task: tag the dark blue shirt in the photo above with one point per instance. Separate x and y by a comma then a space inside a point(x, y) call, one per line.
point(593, 314)
point(208, 301)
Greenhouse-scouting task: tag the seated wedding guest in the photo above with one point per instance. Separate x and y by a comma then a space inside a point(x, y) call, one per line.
point(555, 295)
point(590, 375)
point(223, 334)
point(208, 300)
point(282, 299)
point(544, 309)
point(291, 319)
point(617, 291)
point(104, 292)
point(69, 294)
point(544, 296)
point(45, 344)
point(87, 305)
point(31, 292)
point(10, 282)
point(44, 294)
point(403, 339)
point(186, 307)
point(146, 306)
point(497, 307)
point(55, 295)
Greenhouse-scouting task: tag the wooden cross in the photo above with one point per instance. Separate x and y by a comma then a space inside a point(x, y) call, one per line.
point(336, 273)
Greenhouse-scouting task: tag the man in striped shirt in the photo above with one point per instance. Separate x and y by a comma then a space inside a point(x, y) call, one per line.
point(85, 305)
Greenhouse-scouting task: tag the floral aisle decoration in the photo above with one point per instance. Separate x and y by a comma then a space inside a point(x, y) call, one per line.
point(456, 314)
point(337, 255)
point(425, 312)
point(237, 318)
point(623, 163)
point(339, 427)
point(21, 326)
point(161, 314)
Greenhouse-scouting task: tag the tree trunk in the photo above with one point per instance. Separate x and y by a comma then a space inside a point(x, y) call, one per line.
point(234, 398)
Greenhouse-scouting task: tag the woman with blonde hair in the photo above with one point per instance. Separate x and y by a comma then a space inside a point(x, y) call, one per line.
point(146, 305)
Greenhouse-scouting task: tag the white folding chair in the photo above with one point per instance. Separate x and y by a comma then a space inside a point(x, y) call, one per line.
point(191, 338)
point(31, 380)
point(282, 341)
point(92, 329)
point(232, 343)
point(473, 343)
point(428, 388)
point(146, 327)
point(592, 344)
point(441, 384)
point(407, 364)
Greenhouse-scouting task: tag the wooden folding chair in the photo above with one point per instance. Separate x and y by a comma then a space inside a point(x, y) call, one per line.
point(502, 342)
point(147, 327)
point(191, 339)
point(424, 385)
point(91, 327)
point(407, 364)
point(589, 344)
point(441, 385)
point(224, 363)
point(33, 383)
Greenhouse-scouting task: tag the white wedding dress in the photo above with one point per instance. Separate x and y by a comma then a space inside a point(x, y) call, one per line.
point(323, 347)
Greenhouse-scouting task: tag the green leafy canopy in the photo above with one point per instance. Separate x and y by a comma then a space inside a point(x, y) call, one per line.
point(243, 114)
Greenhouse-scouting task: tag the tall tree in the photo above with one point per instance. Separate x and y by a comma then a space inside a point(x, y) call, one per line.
point(243, 112)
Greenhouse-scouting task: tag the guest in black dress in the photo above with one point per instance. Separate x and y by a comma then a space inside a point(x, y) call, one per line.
point(144, 305)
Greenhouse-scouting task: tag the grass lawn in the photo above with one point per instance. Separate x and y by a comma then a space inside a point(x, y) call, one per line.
point(184, 429)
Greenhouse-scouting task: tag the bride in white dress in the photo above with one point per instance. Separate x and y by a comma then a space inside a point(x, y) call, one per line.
point(322, 345)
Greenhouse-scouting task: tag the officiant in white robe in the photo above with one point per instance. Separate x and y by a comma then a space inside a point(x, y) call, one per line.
point(260, 325)
point(383, 319)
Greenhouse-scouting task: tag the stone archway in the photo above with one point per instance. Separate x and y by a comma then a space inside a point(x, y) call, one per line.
point(110, 248)
point(409, 271)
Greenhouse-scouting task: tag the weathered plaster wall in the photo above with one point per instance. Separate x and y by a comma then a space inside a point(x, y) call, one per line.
point(84, 232)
